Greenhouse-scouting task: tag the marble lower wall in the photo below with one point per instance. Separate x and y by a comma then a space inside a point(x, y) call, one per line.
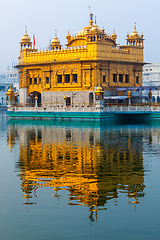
point(75, 97)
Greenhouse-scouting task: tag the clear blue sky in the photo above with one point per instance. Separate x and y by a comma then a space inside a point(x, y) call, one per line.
point(42, 17)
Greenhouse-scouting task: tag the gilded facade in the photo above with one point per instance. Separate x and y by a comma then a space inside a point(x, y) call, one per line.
point(90, 58)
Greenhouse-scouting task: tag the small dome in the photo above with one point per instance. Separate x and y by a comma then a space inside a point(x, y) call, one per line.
point(114, 35)
point(10, 90)
point(26, 37)
point(99, 88)
point(55, 40)
point(134, 33)
point(68, 35)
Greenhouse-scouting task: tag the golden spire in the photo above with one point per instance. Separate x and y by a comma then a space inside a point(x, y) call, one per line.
point(114, 35)
point(68, 36)
point(135, 33)
point(91, 19)
point(26, 37)
point(55, 40)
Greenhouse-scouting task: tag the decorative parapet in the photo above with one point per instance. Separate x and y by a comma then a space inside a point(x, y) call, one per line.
point(120, 53)
point(75, 53)
point(88, 52)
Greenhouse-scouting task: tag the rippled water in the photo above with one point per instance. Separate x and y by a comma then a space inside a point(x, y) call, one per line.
point(79, 180)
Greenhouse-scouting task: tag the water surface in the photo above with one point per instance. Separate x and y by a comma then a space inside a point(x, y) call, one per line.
point(79, 180)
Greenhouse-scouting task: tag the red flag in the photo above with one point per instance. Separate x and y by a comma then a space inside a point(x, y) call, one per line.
point(33, 41)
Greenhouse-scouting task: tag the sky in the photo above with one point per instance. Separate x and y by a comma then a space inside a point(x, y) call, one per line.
point(43, 17)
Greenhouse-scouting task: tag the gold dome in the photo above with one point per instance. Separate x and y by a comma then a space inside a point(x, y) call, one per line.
point(85, 30)
point(55, 40)
point(135, 33)
point(82, 32)
point(68, 35)
point(26, 37)
point(99, 88)
point(114, 35)
point(10, 90)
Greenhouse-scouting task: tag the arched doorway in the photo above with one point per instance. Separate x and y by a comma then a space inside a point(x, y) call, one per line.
point(90, 98)
point(31, 98)
point(68, 101)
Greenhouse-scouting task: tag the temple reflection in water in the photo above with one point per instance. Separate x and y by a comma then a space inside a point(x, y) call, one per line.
point(94, 164)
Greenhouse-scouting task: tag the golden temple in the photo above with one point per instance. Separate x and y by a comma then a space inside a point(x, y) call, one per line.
point(90, 58)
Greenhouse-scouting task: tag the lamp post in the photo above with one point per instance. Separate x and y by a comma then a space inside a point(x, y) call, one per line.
point(65, 98)
point(150, 95)
point(36, 104)
point(129, 96)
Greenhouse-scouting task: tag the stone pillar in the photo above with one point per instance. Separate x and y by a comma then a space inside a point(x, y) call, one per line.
point(23, 96)
point(23, 90)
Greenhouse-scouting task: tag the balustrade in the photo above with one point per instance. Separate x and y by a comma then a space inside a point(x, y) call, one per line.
point(87, 107)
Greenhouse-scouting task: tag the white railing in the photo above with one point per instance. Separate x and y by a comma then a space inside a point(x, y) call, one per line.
point(55, 108)
point(143, 108)
point(85, 108)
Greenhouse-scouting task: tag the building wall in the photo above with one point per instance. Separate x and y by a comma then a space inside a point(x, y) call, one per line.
point(151, 77)
point(151, 74)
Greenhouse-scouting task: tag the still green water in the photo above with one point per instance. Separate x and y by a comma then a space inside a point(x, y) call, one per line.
point(77, 180)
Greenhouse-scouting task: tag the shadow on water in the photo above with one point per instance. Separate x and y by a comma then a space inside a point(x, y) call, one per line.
point(95, 162)
point(125, 120)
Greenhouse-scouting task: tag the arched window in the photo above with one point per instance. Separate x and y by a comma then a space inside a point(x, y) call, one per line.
point(74, 78)
point(67, 78)
point(39, 80)
point(47, 80)
point(35, 81)
point(2, 100)
point(120, 78)
point(153, 99)
point(97, 97)
point(114, 78)
point(90, 98)
point(137, 79)
point(158, 99)
point(30, 81)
